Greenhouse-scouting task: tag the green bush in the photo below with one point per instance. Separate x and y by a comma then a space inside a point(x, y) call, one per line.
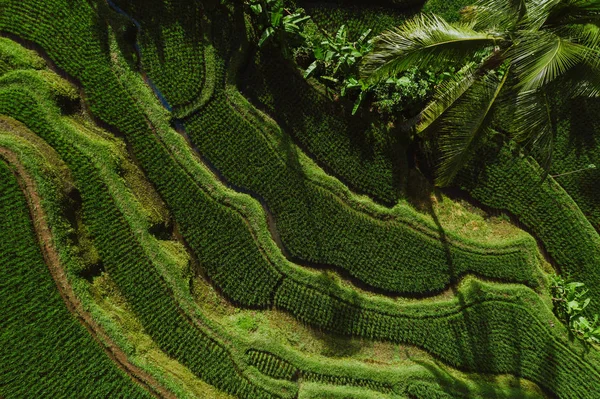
point(570, 300)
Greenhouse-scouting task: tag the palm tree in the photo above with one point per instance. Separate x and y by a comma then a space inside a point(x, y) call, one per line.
point(517, 56)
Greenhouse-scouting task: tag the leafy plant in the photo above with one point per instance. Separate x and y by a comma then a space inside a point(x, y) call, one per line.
point(336, 63)
point(277, 24)
point(570, 300)
point(338, 56)
point(533, 52)
point(405, 95)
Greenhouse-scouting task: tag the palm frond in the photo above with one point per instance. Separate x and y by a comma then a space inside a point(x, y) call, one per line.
point(446, 94)
point(466, 124)
point(538, 12)
point(496, 14)
point(427, 41)
point(584, 34)
point(540, 57)
point(582, 80)
point(567, 12)
point(532, 126)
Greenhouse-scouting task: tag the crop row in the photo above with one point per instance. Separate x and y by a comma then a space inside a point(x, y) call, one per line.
point(271, 365)
point(209, 227)
point(427, 390)
point(317, 226)
point(486, 333)
point(355, 149)
point(576, 252)
point(44, 350)
point(276, 367)
point(357, 17)
point(96, 149)
point(307, 311)
point(396, 380)
point(308, 365)
point(514, 184)
point(573, 246)
point(170, 39)
point(575, 149)
point(266, 357)
point(122, 255)
point(220, 237)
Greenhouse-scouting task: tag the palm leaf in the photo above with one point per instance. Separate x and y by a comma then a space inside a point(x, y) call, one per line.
point(538, 12)
point(582, 80)
point(532, 126)
point(466, 124)
point(540, 57)
point(446, 94)
point(493, 14)
point(567, 12)
point(425, 41)
point(585, 34)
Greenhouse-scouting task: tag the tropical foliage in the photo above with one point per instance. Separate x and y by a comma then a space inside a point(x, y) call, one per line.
point(516, 56)
point(570, 301)
point(336, 61)
point(277, 24)
point(336, 65)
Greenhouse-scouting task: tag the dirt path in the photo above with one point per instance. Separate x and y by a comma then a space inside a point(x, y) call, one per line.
point(136, 373)
point(73, 303)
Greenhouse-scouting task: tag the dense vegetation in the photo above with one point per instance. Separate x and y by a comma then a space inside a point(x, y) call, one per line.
point(207, 199)
point(36, 318)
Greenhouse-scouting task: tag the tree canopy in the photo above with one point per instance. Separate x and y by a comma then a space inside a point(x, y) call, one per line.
point(515, 56)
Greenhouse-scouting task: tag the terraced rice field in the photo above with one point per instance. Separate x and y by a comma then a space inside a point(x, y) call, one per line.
point(184, 215)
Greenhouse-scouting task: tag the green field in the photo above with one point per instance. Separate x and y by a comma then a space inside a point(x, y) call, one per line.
point(185, 215)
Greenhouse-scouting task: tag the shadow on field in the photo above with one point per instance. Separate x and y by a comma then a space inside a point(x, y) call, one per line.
point(314, 120)
point(479, 347)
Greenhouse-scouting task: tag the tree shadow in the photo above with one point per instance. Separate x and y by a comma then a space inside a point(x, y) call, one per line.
point(315, 121)
point(150, 18)
point(475, 348)
point(583, 126)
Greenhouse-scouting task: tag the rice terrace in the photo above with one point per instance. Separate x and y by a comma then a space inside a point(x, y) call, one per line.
point(311, 199)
